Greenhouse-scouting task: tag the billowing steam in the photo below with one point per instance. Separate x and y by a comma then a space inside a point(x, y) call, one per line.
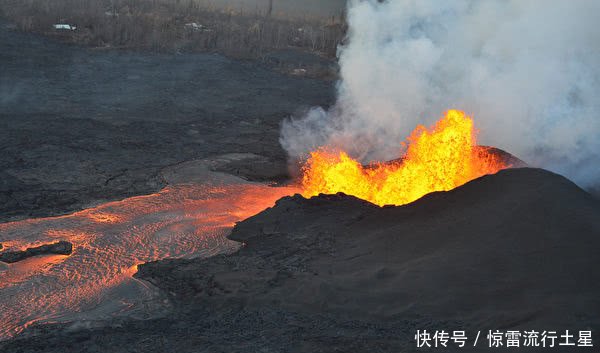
point(527, 71)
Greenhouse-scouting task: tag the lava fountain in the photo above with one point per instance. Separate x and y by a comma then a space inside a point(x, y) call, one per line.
point(440, 158)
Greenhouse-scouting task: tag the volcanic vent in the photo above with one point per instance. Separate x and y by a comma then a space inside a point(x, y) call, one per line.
point(190, 219)
point(514, 250)
point(440, 158)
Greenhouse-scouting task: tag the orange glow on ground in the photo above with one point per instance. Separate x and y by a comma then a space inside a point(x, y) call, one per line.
point(440, 158)
point(109, 242)
point(101, 217)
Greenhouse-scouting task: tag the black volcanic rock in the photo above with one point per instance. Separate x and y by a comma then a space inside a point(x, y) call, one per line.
point(80, 126)
point(507, 158)
point(517, 250)
point(58, 248)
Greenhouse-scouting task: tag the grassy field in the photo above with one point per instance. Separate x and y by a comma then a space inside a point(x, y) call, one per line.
point(176, 26)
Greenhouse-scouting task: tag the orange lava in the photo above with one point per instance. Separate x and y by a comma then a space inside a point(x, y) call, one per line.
point(101, 217)
point(440, 158)
point(109, 241)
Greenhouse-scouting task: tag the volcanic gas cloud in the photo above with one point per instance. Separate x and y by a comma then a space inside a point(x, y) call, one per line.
point(526, 70)
point(436, 159)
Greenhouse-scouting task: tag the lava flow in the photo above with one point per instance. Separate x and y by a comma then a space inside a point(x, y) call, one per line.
point(109, 241)
point(440, 158)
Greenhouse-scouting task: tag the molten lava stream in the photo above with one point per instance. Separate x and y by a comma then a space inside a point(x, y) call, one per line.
point(109, 242)
point(437, 159)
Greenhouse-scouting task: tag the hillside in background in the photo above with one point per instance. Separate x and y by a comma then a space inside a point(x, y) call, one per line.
point(246, 29)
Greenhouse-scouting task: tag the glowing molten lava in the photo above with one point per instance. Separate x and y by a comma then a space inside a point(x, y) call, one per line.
point(440, 158)
point(109, 241)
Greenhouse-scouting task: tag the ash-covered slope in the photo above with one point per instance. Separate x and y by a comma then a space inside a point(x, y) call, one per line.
point(516, 250)
point(519, 248)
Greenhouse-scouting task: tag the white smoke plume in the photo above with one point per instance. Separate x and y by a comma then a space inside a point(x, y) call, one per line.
point(526, 71)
